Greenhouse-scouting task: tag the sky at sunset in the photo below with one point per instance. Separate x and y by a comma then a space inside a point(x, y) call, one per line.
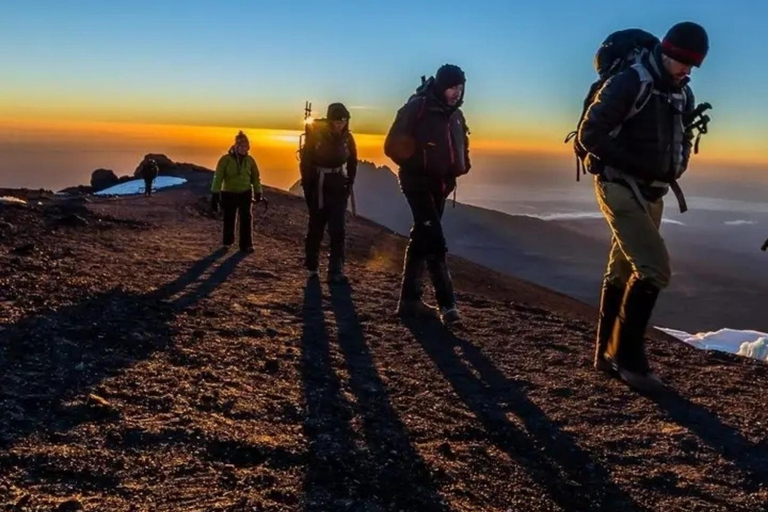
point(90, 84)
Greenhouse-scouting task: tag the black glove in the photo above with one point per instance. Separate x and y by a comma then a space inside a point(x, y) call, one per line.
point(215, 199)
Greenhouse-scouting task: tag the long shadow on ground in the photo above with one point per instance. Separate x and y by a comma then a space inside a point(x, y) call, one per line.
point(750, 458)
point(574, 481)
point(377, 468)
point(51, 359)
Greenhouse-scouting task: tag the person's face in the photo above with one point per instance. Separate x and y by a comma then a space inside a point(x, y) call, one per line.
point(338, 126)
point(677, 70)
point(242, 147)
point(453, 94)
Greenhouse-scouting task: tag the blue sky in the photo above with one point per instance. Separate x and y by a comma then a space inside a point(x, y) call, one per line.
point(254, 62)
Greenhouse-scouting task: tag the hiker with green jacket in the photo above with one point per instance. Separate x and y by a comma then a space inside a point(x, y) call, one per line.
point(236, 185)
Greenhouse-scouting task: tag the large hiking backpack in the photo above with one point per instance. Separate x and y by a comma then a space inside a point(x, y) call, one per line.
point(324, 147)
point(620, 50)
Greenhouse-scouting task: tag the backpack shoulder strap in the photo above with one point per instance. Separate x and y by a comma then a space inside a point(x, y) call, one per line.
point(645, 92)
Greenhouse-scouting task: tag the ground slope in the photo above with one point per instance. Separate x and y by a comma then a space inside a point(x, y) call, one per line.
point(143, 368)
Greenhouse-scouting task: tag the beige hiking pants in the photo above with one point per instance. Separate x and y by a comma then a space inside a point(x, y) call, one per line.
point(637, 246)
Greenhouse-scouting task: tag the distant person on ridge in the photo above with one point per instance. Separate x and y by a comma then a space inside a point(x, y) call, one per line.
point(328, 171)
point(237, 184)
point(149, 171)
point(637, 160)
point(429, 142)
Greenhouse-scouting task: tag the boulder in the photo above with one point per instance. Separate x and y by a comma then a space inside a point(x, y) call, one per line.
point(103, 178)
point(164, 164)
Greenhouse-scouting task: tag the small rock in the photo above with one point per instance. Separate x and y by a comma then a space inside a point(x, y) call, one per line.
point(445, 450)
point(137, 336)
point(24, 250)
point(73, 220)
point(272, 366)
point(96, 399)
point(72, 505)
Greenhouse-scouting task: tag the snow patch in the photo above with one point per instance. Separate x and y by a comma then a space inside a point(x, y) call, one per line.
point(752, 344)
point(586, 215)
point(137, 186)
point(740, 223)
point(11, 200)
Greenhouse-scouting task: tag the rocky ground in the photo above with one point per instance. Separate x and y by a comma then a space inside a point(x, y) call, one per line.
point(142, 368)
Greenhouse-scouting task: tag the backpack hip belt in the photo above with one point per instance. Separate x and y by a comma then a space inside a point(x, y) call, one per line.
point(323, 172)
point(611, 174)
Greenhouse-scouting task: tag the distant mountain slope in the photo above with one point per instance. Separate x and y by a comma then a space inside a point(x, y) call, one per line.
point(570, 256)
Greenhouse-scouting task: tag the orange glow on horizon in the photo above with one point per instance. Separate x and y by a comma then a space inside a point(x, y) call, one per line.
point(217, 138)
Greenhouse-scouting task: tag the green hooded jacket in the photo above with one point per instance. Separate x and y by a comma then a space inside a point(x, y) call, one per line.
point(235, 174)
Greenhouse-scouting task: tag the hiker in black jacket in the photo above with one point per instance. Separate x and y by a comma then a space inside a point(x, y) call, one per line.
point(637, 160)
point(429, 142)
point(149, 171)
point(328, 171)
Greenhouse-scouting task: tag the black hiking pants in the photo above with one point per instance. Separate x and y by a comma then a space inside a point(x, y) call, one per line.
point(330, 213)
point(148, 186)
point(237, 209)
point(427, 246)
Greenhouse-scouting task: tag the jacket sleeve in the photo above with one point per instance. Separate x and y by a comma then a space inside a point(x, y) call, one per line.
point(690, 105)
point(352, 160)
point(400, 144)
point(218, 177)
point(608, 110)
point(255, 176)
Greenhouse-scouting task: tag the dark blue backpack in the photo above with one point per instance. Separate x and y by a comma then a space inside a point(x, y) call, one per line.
point(619, 51)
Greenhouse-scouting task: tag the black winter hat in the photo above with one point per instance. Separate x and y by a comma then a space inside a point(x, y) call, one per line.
point(337, 112)
point(449, 76)
point(686, 42)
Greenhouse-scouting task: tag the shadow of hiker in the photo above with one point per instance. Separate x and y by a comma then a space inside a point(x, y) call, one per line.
point(208, 285)
point(378, 468)
point(574, 481)
point(750, 458)
point(51, 359)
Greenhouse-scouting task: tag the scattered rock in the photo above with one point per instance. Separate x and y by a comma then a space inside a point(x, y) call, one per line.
point(71, 505)
point(72, 220)
point(272, 366)
point(103, 178)
point(445, 450)
point(24, 250)
point(80, 367)
point(97, 400)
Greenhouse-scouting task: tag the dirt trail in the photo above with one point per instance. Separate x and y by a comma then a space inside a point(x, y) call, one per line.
point(143, 368)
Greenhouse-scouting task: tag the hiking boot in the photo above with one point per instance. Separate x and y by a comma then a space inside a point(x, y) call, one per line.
point(337, 278)
point(415, 308)
point(610, 304)
point(248, 250)
point(626, 348)
point(647, 382)
point(450, 316)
